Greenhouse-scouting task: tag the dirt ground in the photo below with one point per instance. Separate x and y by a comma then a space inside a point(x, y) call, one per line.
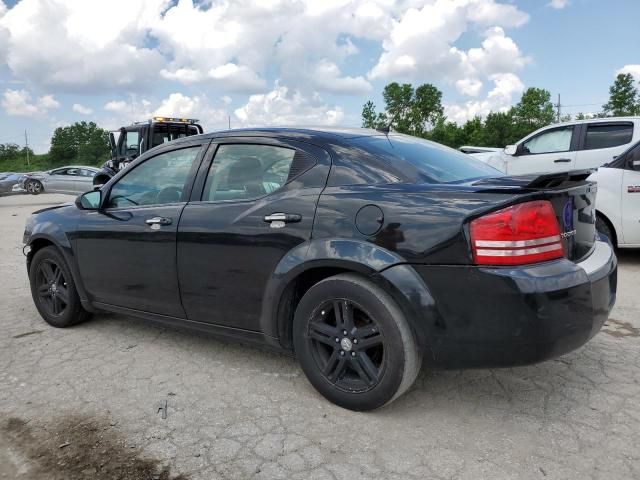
point(88, 403)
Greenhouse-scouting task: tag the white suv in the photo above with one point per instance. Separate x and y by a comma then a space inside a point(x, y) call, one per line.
point(564, 146)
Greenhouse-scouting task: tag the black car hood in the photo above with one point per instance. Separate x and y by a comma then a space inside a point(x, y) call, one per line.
point(55, 207)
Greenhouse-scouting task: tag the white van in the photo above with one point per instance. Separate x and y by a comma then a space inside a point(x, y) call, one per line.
point(564, 146)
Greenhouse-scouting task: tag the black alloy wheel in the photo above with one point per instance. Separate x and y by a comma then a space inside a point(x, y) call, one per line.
point(347, 345)
point(52, 287)
point(354, 343)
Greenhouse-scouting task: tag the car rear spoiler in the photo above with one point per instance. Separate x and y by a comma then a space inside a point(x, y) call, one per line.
point(535, 181)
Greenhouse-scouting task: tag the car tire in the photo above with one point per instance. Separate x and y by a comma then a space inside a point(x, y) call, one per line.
point(374, 363)
point(53, 289)
point(34, 187)
point(603, 227)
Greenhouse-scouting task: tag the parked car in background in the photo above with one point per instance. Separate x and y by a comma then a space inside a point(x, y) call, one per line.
point(576, 145)
point(349, 248)
point(8, 182)
point(618, 202)
point(71, 180)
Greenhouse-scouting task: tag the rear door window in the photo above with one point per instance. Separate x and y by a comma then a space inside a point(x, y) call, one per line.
point(244, 172)
point(607, 135)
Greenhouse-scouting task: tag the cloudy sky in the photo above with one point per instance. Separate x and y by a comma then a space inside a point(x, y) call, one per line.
point(270, 62)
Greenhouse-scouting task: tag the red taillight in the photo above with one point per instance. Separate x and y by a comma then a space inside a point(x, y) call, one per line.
point(517, 235)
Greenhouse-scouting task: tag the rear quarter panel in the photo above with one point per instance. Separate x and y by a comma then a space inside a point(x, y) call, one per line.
point(422, 224)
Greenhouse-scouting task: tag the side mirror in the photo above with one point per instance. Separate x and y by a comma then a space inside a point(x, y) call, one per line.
point(89, 200)
point(510, 149)
point(635, 164)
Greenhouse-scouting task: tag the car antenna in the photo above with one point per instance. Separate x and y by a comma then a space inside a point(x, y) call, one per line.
point(386, 129)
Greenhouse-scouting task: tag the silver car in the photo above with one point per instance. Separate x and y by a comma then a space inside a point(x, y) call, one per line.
point(72, 180)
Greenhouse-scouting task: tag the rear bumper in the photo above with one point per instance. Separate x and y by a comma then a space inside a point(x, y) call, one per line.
point(500, 317)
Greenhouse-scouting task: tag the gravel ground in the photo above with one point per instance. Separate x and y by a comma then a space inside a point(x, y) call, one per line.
point(84, 403)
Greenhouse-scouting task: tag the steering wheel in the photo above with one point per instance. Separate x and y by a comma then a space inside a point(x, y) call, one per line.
point(169, 195)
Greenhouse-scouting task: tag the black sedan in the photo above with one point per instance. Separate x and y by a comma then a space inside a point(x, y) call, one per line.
point(367, 254)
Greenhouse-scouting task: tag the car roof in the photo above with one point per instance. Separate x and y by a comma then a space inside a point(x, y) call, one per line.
point(329, 134)
point(76, 166)
point(598, 120)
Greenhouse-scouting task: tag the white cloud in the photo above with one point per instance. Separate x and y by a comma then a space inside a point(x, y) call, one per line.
point(632, 69)
point(326, 76)
point(76, 45)
point(19, 103)
point(499, 99)
point(238, 46)
point(81, 109)
point(498, 53)
point(420, 45)
point(197, 107)
point(283, 107)
point(469, 86)
point(559, 4)
point(174, 105)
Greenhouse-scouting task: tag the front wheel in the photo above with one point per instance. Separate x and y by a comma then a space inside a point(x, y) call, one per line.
point(34, 187)
point(53, 290)
point(354, 343)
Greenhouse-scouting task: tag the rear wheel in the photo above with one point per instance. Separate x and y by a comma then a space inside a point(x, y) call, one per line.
point(53, 290)
point(34, 187)
point(354, 343)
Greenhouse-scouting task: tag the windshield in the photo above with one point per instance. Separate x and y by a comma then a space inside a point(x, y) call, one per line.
point(434, 163)
point(163, 133)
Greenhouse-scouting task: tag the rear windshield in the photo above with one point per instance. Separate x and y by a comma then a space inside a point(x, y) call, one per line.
point(433, 162)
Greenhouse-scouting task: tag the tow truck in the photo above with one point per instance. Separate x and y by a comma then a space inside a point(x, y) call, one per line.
point(130, 142)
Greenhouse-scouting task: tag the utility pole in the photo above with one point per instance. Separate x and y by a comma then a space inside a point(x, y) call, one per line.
point(26, 145)
point(229, 117)
point(559, 106)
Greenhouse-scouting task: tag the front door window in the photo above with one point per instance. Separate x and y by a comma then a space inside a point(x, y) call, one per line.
point(160, 180)
point(557, 140)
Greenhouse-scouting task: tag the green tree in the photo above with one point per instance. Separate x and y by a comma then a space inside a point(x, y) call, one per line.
point(82, 143)
point(427, 108)
point(9, 151)
point(499, 129)
point(533, 111)
point(473, 132)
point(447, 133)
point(407, 110)
point(398, 102)
point(623, 97)
point(371, 119)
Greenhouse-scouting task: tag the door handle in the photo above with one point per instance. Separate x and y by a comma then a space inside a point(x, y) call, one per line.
point(283, 217)
point(158, 221)
point(562, 160)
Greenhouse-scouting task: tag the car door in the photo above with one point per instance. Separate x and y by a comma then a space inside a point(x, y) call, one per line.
point(254, 202)
point(84, 181)
point(70, 183)
point(55, 181)
point(127, 249)
point(602, 142)
point(552, 150)
point(631, 198)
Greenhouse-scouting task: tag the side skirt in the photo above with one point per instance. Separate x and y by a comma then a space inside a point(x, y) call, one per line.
point(228, 333)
